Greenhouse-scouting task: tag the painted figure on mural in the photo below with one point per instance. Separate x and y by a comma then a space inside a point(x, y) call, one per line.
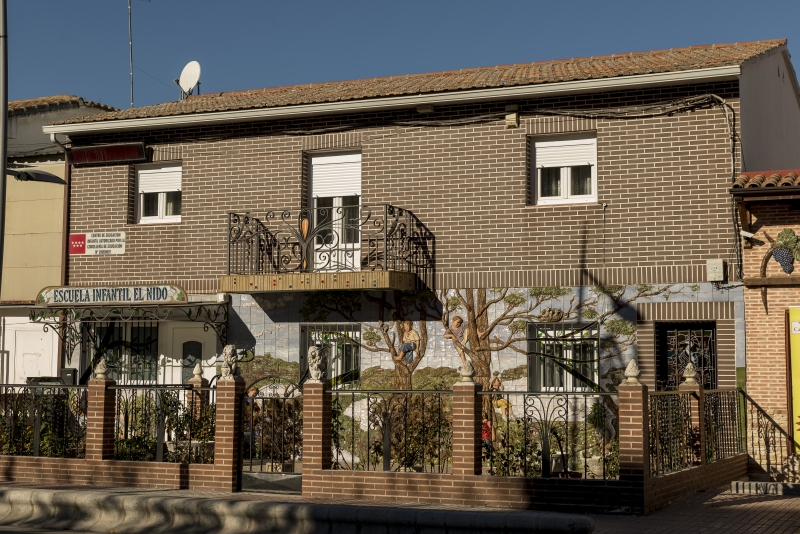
point(458, 333)
point(410, 343)
point(498, 400)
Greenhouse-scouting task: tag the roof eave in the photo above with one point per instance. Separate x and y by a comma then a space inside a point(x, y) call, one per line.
point(406, 101)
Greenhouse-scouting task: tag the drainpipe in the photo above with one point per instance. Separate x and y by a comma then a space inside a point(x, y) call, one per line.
point(65, 236)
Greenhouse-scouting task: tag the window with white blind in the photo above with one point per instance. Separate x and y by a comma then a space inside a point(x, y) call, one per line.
point(564, 170)
point(335, 191)
point(158, 194)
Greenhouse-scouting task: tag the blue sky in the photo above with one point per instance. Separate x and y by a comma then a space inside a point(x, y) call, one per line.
point(81, 46)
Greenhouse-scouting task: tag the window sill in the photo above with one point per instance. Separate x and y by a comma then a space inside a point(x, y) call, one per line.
point(164, 223)
point(566, 203)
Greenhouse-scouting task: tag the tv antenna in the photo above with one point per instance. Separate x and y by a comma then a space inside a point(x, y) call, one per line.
point(190, 78)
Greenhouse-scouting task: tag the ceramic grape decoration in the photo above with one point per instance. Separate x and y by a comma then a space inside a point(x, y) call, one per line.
point(786, 250)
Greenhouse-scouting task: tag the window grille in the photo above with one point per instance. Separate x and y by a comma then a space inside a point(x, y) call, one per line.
point(678, 344)
point(562, 356)
point(342, 348)
point(130, 350)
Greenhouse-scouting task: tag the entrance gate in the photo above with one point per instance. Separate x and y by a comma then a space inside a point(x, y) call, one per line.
point(271, 436)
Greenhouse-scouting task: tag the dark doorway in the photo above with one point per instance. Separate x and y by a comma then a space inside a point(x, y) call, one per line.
point(678, 344)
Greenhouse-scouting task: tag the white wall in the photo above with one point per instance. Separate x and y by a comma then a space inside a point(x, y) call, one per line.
point(770, 114)
point(25, 349)
point(171, 337)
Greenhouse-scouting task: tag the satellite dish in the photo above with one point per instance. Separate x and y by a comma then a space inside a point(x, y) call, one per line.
point(189, 77)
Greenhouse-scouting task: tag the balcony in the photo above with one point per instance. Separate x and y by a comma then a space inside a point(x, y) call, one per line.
point(348, 247)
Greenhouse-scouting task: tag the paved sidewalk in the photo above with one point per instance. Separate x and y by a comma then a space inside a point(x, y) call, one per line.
point(712, 511)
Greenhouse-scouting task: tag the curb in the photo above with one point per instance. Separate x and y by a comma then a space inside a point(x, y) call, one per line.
point(764, 488)
point(97, 511)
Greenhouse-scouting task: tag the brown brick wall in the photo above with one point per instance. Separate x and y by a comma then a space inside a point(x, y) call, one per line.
point(113, 473)
point(663, 490)
point(664, 180)
point(767, 372)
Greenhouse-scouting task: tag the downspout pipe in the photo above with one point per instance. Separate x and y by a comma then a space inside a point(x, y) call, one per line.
point(62, 357)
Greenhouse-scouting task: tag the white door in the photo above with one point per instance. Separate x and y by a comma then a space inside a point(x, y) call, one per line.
point(183, 346)
point(335, 188)
point(34, 354)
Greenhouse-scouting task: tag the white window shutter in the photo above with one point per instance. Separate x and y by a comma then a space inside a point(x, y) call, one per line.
point(566, 153)
point(159, 179)
point(335, 176)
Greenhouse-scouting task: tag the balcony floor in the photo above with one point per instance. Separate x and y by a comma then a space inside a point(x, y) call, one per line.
point(331, 281)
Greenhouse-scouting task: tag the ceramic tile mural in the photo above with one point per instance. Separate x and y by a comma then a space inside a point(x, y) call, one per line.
point(411, 339)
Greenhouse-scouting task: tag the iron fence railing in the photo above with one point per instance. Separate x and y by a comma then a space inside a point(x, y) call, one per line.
point(768, 444)
point(382, 430)
point(722, 424)
point(272, 427)
point(164, 424)
point(345, 238)
point(46, 420)
point(674, 442)
point(542, 434)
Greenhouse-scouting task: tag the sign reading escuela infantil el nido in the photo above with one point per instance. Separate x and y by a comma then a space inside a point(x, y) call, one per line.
point(97, 244)
point(54, 296)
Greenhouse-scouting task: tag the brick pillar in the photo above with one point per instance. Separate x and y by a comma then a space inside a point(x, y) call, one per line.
point(466, 429)
point(316, 426)
point(698, 416)
point(634, 432)
point(100, 416)
point(226, 437)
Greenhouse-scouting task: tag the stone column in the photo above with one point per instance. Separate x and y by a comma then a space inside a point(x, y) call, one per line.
point(100, 416)
point(226, 438)
point(698, 410)
point(634, 427)
point(316, 425)
point(198, 400)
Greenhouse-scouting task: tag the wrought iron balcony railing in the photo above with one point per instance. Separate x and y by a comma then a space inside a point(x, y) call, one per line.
point(333, 239)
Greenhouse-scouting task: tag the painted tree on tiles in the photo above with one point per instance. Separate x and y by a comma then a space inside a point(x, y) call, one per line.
point(402, 331)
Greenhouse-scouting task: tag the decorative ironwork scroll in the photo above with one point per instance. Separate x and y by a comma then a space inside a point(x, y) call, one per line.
point(66, 321)
point(330, 239)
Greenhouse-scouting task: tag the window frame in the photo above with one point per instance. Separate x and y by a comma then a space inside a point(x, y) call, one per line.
point(162, 217)
point(565, 165)
point(130, 374)
point(537, 364)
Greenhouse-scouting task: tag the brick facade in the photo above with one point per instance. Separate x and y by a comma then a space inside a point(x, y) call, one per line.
point(664, 181)
point(767, 370)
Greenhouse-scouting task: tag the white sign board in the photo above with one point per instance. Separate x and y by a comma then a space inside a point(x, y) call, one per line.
point(61, 296)
point(97, 243)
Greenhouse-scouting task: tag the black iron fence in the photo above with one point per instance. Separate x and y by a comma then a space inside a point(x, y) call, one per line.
point(723, 425)
point(272, 427)
point(43, 420)
point(164, 424)
point(769, 445)
point(674, 442)
point(382, 430)
point(343, 238)
point(564, 435)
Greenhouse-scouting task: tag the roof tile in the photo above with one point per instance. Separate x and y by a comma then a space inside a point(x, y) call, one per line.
point(520, 74)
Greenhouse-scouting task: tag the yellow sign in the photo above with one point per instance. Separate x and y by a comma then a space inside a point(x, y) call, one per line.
point(794, 364)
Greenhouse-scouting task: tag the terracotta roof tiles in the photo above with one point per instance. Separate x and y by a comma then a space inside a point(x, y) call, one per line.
point(541, 72)
point(765, 179)
point(45, 103)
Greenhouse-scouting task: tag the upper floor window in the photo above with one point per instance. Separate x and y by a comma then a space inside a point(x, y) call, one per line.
point(564, 170)
point(562, 357)
point(335, 190)
point(158, 193)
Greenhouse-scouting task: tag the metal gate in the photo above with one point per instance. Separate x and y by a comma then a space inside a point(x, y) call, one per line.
point(271, 439)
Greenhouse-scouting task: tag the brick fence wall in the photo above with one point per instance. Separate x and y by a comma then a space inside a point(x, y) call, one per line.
point(635, 491)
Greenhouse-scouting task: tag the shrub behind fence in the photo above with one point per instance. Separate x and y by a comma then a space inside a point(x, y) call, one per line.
point(164, 424)
point(565, 435)
point(392, 430)
point(45, 421)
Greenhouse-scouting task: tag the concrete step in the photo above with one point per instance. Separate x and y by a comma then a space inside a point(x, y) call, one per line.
point(756, 487)
point(137, 512)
